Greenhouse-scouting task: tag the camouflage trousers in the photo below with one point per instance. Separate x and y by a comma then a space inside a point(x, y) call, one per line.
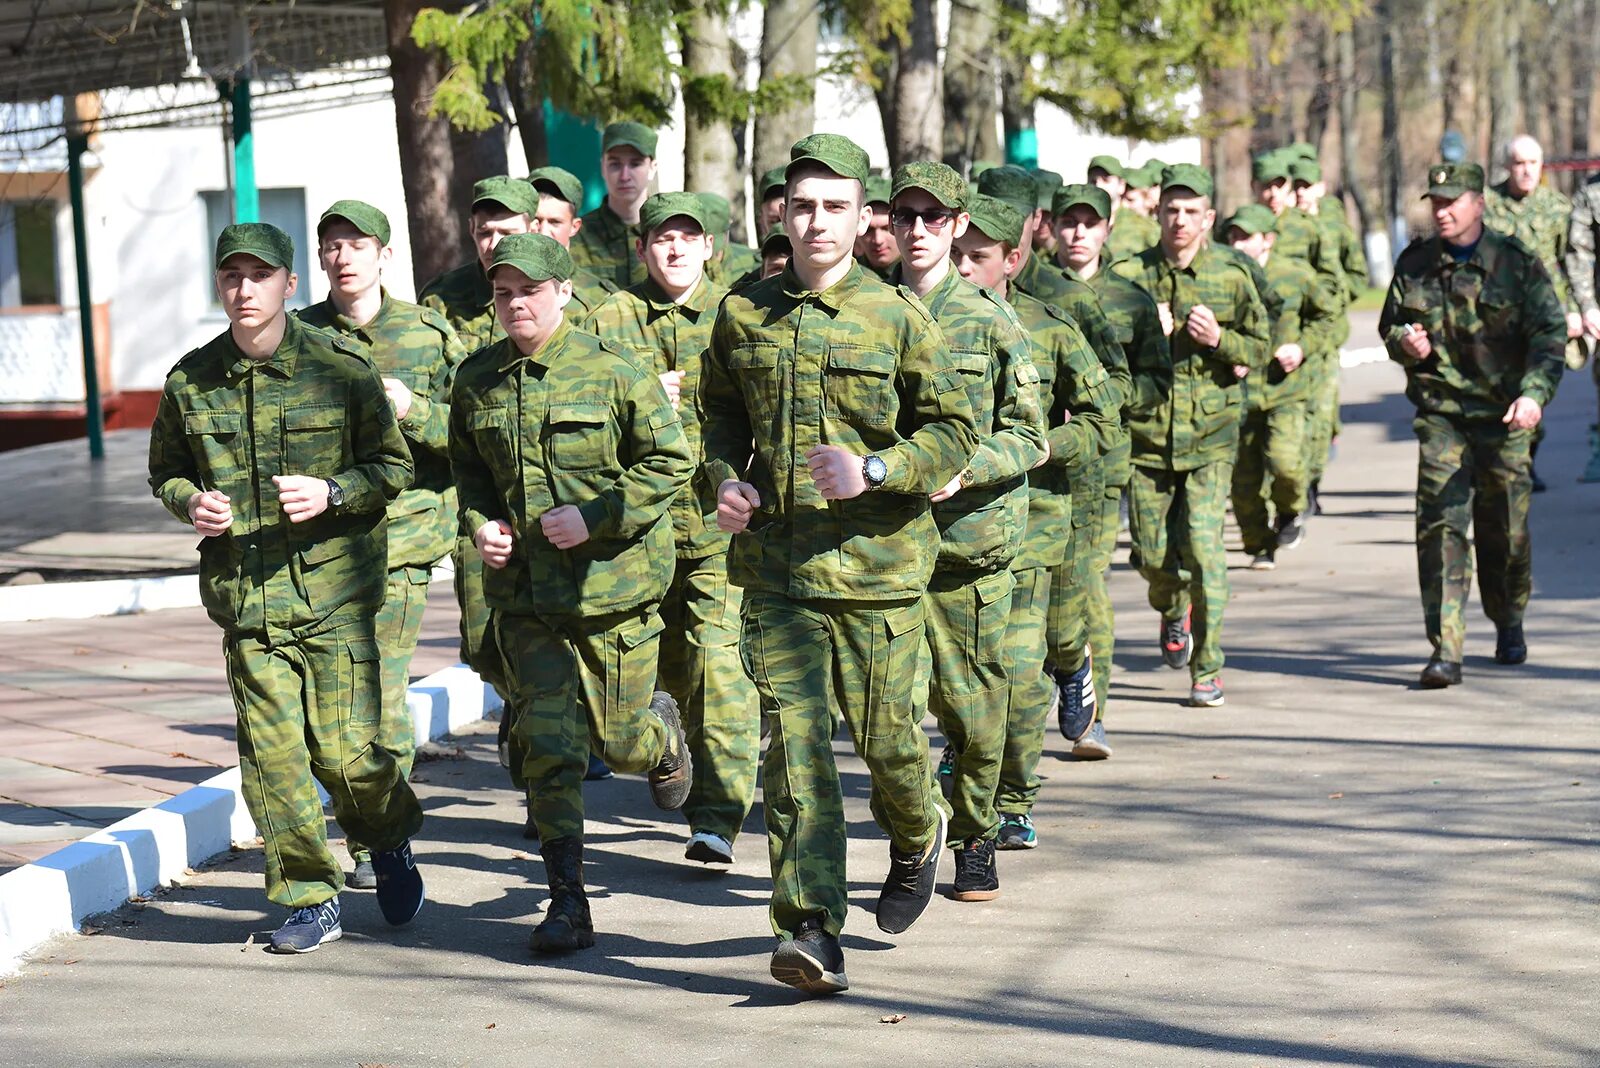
point(1322, 425)
point(308, 712)
point(398, 625)
point(1028, 705)
point(700, 667)
point(1076, 582)
point(1477, 474)
point(968, 690)
point(1270, 465)
point(1102, 619)
point(1177, 530)
point(580, 684)
point(811, 661)
point(478, 650)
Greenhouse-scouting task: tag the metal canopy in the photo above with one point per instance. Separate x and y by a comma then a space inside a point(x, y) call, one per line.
point(51, 48)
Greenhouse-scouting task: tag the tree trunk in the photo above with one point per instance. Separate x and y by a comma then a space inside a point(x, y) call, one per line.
point(1320, 51)
point(478, 155)
point(708, 152)
point(527, 104)
point(1227, 99)
point(1505, 30)
point(918, 106)
point(969, 85)
point(1348, 90)
point(1389, 30)
point(1584, 42)
point(885, 73)
point(788, 47)
point(1016, 111)
point(434, 223)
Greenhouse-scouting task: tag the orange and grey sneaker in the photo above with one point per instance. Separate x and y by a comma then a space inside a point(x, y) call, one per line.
point(1177, 641)
point(1206, 694)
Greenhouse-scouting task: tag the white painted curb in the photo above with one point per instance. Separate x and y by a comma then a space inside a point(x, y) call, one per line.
point(53, 895)
point(97, 597)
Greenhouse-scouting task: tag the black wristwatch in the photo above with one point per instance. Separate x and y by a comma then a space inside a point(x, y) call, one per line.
point(874, 471)
point(335, 494)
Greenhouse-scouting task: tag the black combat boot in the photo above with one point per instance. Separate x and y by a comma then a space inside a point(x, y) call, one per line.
point(566, 925)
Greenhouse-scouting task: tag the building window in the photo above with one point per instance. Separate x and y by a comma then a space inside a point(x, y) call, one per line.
point(283, 208)
point(28, 253)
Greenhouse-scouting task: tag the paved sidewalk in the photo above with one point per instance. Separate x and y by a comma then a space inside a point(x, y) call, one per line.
point(1334, 869)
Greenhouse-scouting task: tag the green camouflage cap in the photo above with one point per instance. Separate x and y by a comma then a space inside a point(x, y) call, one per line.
point(1070, 196)
point(942, 182)
point(1270, 167)
point(839, 154)
point(558, 182)
point(1047, 183)
point(772, 183)
point(1303, 150)
point(657, 209)
point(877, 190)
point(1305, 170)
point(512, 195)
point(633, 134)
point(1453, 179)
point(996, 219)
point(1155, 167)
point(719, 213)
point(1252, 219)
point(535, 255)
point(363, 216)
point(264, 241)
point(981, 165)
point(774, 235)
point(1189, 176)
point(1011, 184)
point(1142, 177)
point(1110, 164)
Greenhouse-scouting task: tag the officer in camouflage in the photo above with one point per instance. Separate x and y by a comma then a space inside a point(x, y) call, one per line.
point(729, 261)
point(605, 245)
point(981, 514)
point(416, 352)
point(1475, 321)
point(1185, 424)
point(276, 442)
point(667, 321)
point(567, 455)
point(832, 410)
point(775, 252)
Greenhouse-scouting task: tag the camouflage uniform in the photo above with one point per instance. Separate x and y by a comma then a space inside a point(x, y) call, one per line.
point(295, 601)
point(605, 248)
point(1498, 332)
point(576, 423)
point(733, 261)
point(1131, 233)
point(1322, 357)
point(416, 346)
point(833, 612)
point(1184, 418)
point(700, 650)
point(1580, 274)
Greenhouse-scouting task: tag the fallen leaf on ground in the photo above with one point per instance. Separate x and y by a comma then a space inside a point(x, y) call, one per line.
point(488, 1027)
point(1335, 797)
point(892, 1018)
point(74, 960)
point(1222, 776)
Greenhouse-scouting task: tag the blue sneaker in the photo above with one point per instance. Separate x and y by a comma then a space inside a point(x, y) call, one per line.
point(1016, 832)
point(400, 890)
point(598, 772)
point(1076, 711)
point(307, 928)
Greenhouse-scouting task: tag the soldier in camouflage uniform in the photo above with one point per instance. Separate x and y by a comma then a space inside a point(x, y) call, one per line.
point(832, 410)
point(416, 352)
point(769, 211)
point(567, 455)
point(1044, 233)
point(1475, 321)
point(775, 252)
point(667, 322)
point(275, 441)
point(560, 196)
point(1080, 402)
point(501, 206)
point(981, 513)
point(1185, 424)
point(1271, 460)
point(729, 261)
point(1131, 232)
point(605, 245)
point(1583, 237)
point(876, 249)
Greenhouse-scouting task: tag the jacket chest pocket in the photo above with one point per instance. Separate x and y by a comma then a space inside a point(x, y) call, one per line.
point(859, 386)
point(579, 437)
point(1498, 314)
point(314, 440)
point(491, 436)
point(754, 366)
point(217, 441)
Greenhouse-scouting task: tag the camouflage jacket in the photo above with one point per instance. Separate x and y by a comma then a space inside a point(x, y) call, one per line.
point(981, 526)
point(882, 274)
point(605, 247)
point(1497, 327)
point(861, 365)
point(670, 337)
point(1082, 405)
point(1307, 302)
point(229, 423)
point(1301, 237)
point(1337, 234)
point(1541, 220)
point(1131, 234)
point(465, 298)
point(1082, 301)
point(1195, 416)
point(415, 345)
point(1137, 324)
point(1581, 244)
point(733, 264)
point(578, 423)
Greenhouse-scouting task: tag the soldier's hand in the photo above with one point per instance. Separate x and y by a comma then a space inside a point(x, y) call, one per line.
point(1241, 371)
point(1416, 343)
point(736, 504)
point(1044, 458)
point(672, 382)
point(493, 540)
point(1524, 414)
point(945, 492)
point(1575, 325)
point(1289, 357)
point(564, 526)
point(837, 472)
point(301, 496)
point(1165, 311)
point(211, 512)
point(1202, 326)
point(399, 396)
point(1591, 323)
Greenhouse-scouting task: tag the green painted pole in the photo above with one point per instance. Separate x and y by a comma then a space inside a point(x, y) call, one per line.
point(246, 198)
point(93, 416)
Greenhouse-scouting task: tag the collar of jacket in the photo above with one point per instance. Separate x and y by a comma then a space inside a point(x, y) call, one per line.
point(364, 331)
point(661, 304)
point(282, 360)
point(544, 355)
point(1484, 256)
point(835, 297)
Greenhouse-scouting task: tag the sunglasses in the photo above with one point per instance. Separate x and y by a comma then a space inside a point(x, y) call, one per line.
point(932, 218)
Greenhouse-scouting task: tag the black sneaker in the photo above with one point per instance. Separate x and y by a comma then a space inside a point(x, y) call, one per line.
point(1314, 498)
point(811, 961)
point(567, 925)
point(400, 889)
point(1439, 674)
point(1291, 531)
point(503, 739)
point(670, 778)
point(1510, 647)
point(597, 771)
point(947, 772)
point(1076, 711)
point(1016, 832)
point(1093, 746)
point(308, 928)
point(909, 885)
point(363, 878)
point(1263, 561)
point(1177, 641)
point(976, 876)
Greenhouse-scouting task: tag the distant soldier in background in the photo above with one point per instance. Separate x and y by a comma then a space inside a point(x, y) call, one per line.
point(605, 245)
point(877, 250)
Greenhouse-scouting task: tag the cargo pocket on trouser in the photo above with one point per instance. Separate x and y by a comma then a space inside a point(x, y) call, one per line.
point(622, 729)
point(893, 745)
point(990, 616)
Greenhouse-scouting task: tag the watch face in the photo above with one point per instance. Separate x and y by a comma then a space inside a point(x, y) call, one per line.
point(875, 470)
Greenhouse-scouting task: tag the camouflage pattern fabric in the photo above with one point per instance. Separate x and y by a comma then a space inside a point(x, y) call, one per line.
point(1177, 519)
point(1101, 620)
point(465, 298)
point(1580, 258)
point(1300, 237)
point(1542, 220)
point(1271, 467)
point(1028, 706)
point(1073, 581)
point(1131, 233)
point(605, 247)
point(732, 262)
